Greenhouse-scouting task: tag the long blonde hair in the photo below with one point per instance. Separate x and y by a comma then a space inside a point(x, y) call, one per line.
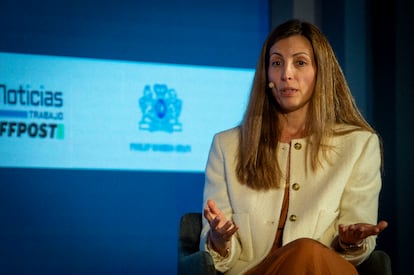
point(331, 103)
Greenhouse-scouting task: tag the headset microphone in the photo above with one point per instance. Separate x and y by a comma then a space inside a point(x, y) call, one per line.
point(271, 85)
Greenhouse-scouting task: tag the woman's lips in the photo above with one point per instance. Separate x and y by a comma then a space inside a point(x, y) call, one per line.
point(288, 91)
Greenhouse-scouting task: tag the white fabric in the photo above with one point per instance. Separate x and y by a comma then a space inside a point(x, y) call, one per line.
point(346, 191)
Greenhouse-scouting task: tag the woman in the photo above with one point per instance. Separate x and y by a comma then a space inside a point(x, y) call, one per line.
point(294, 188)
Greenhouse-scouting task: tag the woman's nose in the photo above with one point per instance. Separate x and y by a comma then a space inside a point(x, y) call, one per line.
point(287, 73)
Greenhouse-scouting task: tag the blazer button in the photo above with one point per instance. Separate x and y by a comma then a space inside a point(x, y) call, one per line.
point(296, 186)
point(298, 146)
point(293, 218)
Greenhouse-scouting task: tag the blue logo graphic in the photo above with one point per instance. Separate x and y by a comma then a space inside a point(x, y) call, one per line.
point(160, 109)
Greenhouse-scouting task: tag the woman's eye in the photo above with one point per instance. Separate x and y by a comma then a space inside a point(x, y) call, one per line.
point(276, 63)
point(301, 63)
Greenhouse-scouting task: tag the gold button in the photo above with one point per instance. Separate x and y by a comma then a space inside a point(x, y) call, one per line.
point(293, 218)
point(298, 146)
point(296, 186)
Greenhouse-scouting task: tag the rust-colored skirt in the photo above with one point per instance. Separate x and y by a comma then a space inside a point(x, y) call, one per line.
point(302, 256)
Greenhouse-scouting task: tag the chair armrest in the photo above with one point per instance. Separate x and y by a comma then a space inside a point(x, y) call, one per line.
point(378, 263)
point(199, 262)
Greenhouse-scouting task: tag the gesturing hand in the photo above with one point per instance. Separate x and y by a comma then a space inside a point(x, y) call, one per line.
point(221, 229)
point(356, 233)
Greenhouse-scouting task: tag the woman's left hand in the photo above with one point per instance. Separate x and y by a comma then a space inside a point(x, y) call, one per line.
point(356, 233)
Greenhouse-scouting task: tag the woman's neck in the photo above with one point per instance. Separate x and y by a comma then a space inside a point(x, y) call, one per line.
point(292, 127)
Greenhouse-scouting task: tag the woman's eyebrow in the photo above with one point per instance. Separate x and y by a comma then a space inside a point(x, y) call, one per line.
point(295, 54)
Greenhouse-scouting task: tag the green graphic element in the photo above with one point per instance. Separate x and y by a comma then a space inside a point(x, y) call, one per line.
point(60, 134)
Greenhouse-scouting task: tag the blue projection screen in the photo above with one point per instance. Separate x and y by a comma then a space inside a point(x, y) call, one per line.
point(61, 112)
point(107, 112)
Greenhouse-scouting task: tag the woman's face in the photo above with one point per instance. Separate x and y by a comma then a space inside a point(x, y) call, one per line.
point(292, 71)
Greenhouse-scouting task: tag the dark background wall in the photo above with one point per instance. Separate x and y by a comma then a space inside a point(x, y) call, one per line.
point(393, 100)
point(383, 44)
point(178, 31)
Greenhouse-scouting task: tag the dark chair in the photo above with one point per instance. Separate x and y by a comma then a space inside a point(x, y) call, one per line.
point(192, 261)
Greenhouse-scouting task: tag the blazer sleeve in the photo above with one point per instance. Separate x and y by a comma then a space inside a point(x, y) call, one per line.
point(215, 188)
point(359, 202)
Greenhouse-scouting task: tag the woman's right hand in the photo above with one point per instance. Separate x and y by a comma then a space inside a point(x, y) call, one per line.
point(221, 229)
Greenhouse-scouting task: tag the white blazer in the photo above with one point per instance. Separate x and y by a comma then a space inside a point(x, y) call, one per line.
point(345, 191)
